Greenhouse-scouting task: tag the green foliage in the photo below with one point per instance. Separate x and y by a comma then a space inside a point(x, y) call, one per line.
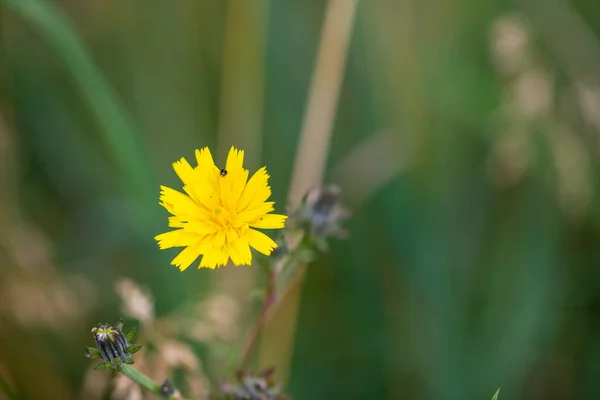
point(103, 366)
point(134, 348)
point(92, 352)
point(495, 397)
point(130, 336)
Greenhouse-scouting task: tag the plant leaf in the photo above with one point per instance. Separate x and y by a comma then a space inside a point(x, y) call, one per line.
point(133, 348)
point(92, 352)
point(130, 335)
point(104, 366)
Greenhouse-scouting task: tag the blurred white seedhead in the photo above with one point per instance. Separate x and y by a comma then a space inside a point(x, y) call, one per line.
point(509, 42)
point(50, 303)
point(218, 319)
point(533, 94)
point(589, 103)
point(178, 355)
point(137, 302)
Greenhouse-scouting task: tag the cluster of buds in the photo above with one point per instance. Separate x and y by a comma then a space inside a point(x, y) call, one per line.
point(253, 387)
point(113, 346)
point(321, 215)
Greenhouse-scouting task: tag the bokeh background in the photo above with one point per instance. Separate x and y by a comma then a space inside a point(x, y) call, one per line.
point(465, 137)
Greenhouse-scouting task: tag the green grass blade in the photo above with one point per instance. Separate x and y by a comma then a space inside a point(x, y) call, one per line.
point(496, 394)
point(120, 133)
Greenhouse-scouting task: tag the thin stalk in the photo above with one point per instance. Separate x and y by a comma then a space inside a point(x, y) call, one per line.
point(279, 274)
point(259, 323)
point(145, 381)
point(119, 132)
point(140, 378)
point(324, 92)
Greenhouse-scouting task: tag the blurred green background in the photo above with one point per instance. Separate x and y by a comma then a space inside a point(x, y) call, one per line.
point(466, 140)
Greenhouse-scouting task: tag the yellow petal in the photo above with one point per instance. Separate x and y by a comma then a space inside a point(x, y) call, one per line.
point(184, 170)
point(232, 185)
point(224, 259)
point(260, 241)
point(232, 235)
point(205, 194)
point(240, 252)
point(204, 189)
point(238, 183)
point(178, 203)
point(270, 221)
point(205, 160)
point(177, 222)
point(186, 257)
point(235, 160)
point(200, 227)
point(176, 238)
point(224, 185)
point(219, 238)
point(256, 190)
point(214, 258)
point(209, 260)
point(252, 216)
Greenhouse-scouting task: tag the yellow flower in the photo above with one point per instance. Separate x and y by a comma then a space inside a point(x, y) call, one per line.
point(216, 215)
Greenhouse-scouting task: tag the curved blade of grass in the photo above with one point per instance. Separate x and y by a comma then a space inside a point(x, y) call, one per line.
point(496, 394)
point(120, 133)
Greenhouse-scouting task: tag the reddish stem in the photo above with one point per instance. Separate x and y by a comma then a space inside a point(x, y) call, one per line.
point(259, 324)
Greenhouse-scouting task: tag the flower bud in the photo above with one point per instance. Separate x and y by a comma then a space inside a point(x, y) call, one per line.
point(254, 387)
point(322, 214)
point(112, 346)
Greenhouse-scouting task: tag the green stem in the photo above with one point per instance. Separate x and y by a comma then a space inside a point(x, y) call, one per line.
point(120, 133)
point(278, 285)
point(259, 323)
point(140, 378)
point(144, 381)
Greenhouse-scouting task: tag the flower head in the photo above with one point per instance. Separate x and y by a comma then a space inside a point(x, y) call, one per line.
point(216, 216)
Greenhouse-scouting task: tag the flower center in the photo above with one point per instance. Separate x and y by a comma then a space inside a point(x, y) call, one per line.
point(103, 333)
point(222, 217)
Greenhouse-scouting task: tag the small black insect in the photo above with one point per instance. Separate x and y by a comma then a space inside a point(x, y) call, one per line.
point(223, 172)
